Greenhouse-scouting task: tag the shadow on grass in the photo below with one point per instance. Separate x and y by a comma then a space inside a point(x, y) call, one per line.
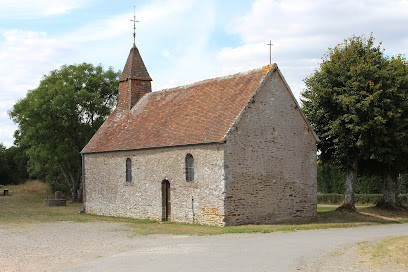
point(344, 217)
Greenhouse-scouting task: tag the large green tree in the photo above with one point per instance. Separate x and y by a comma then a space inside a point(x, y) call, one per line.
point(351, 102)
point(387, 147)
point(59, 117)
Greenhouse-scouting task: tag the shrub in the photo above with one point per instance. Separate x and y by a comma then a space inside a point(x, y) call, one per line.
point(330, 179)
point(359, 198)
point(329, 198)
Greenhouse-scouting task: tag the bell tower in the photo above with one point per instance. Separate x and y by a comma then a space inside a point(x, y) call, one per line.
point(134, 82)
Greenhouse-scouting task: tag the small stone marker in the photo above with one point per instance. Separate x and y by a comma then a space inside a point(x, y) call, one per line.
point(58, 201)
point(58, 195)
point(5, 192)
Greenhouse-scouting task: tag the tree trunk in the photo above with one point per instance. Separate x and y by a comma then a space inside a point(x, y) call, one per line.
point(80, 192)
point(351, 178)
point(389, 199)
point(73, 187)
point(72, 183)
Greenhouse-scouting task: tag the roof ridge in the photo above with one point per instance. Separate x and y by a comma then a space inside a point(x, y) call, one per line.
point(189, 85)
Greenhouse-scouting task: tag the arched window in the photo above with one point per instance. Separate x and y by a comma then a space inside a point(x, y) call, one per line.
point(128, 170)
point(189, 167)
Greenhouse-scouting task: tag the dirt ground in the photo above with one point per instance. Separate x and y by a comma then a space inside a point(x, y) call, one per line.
point(55, 246)
point(94, 246)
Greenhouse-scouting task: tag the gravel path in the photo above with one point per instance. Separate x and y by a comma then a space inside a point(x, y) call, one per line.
point(55, 246)
point(67, 246)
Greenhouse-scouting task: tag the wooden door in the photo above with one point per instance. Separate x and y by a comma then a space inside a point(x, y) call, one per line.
point(165, 200)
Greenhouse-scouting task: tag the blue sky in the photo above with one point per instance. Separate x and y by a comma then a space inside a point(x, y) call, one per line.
point(183, 41)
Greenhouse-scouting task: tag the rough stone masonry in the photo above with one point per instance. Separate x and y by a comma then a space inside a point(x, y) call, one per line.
point(254, 153)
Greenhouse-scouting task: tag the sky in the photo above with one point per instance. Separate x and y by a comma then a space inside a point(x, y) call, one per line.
point(183, 41)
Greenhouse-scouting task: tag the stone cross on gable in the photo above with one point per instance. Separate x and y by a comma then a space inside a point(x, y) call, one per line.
point(134, 24)
point(270, 51)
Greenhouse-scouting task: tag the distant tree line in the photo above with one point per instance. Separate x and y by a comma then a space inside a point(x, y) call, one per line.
point(13, 165)
point(331, 179)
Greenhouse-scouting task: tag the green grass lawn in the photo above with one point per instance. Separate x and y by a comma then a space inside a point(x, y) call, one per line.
point(25, 205)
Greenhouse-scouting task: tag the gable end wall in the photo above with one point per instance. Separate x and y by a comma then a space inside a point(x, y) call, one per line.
point(270, 160)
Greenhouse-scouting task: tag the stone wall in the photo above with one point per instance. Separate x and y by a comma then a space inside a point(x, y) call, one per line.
point(124, 95)
point(270, 160)
point(138, 89)
point(108, 193)
point(130, 92)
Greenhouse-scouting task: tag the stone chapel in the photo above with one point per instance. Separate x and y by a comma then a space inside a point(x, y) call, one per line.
point(225, 151)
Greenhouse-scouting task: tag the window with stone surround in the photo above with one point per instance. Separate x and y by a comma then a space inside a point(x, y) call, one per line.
point(189, 167)
point(128, 170)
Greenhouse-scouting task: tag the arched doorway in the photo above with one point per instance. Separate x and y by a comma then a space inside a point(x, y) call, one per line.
point(166, 200)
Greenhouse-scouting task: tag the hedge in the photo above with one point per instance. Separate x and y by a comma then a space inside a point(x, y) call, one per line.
point(359, 198)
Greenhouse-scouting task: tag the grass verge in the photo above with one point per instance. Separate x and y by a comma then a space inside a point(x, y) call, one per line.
point(25, 205)
point(387, 252)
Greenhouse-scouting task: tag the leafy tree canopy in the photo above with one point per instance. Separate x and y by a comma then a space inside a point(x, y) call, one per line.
point(339, 99)
point(357, 102)
point(59, 117)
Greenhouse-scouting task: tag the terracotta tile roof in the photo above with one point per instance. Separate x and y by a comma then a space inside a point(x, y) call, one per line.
point(202, 112)
point(134, 67)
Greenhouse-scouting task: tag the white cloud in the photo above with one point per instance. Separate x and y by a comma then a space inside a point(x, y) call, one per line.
point(120, 24)
point(25, 56)
point(6, 134)
point(193, 64)
point(162, 36)
point(173, 38)
point(24, 9)
point(242, 58)
point(302, 32)
point(186, 55)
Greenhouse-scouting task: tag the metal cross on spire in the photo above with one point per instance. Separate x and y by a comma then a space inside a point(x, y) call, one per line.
point(270, 51)
point(134, 25)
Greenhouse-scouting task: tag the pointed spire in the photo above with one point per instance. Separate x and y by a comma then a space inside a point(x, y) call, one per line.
point(134, 67)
